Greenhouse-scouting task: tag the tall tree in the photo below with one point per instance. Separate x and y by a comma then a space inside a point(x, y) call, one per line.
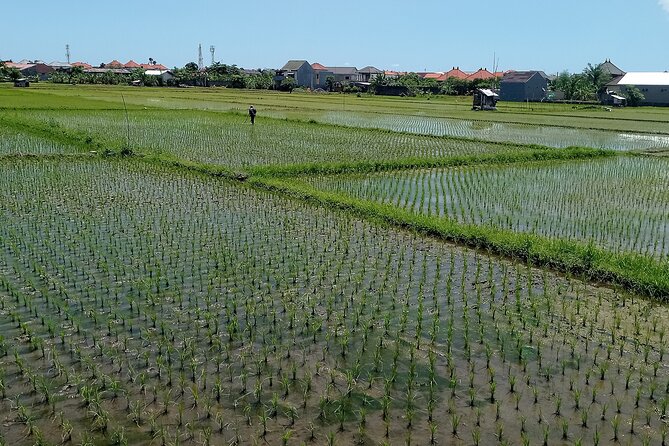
point(597, 77)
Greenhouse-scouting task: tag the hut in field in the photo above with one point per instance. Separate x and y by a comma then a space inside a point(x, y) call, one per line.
point(23, 82)
point(485, 99)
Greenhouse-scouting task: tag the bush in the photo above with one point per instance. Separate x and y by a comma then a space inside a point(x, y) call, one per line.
point(634, 96)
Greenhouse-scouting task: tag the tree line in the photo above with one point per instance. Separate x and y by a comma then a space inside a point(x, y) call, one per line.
point(591, 85)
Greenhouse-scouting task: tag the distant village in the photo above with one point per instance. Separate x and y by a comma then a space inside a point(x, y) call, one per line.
point(603, 83)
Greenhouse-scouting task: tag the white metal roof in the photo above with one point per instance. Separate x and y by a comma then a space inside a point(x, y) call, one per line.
point(156, 72)
point(488, 92)
point(645, 78)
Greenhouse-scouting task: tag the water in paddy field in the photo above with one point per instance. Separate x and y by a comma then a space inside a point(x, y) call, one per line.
point(558, 137)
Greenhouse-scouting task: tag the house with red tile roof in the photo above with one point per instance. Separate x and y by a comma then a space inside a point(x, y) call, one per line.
point(83, 65)
point(40, 70)
point(114, 64)
point(455, 72)
point(318, 67)
point(154, 66)
point(131, 64)
point(480, 74)
point(434, 76)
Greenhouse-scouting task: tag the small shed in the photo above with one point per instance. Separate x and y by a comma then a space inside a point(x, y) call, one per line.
point(485, 99)
point(23, 82)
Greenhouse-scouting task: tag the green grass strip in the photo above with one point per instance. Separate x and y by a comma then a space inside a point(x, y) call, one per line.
point(570, 153)
point(215, 170)
point(630, 271)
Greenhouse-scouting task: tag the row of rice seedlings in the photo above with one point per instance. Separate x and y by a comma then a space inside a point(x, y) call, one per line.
point(239, 316)
point(619, 203)
point(559, 137)
point(221, 138)
point(14, 142)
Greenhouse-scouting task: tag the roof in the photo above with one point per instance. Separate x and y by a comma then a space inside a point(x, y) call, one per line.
point(58, 64)
point(155, 66)
point(343, 70)
point(620, 98)
point(482, 73)
point(488, 92)
point(318, 67)
point(19, 65)
point(157, 72)
point(114, 63)
point(520, 77)
point(370, 70)
point(131, 64)
point(431, 75)
point(610, 68)
point(454, 72)
point(105, 70)
point(293, 65)
point(37, 67)
point(645, 78)
point(82, 65)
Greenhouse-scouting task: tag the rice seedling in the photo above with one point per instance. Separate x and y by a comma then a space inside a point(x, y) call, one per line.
point(166, 305)
point(556, 200)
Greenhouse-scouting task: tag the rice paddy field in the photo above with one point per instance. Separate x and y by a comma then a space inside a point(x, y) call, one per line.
point(17, 142)
point(621, 203)
point(503, 131)
point(228, 140)
point(429, 289)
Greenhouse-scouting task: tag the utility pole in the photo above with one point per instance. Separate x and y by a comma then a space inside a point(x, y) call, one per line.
point(200, 60)
point(212, 49)
point(67, 52)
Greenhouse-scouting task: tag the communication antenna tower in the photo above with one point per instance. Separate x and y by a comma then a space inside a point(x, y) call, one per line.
point(212, 49)
point(67, 52)
point(200, 61)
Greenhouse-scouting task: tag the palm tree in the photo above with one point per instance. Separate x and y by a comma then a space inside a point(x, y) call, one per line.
point(597, 77)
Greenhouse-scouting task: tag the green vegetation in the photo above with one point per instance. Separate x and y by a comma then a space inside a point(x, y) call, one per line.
point(221, 284)
point(620, 203)
point(227, 140)
point(630, 270)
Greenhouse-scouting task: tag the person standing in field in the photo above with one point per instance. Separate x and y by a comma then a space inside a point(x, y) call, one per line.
point(252, 114)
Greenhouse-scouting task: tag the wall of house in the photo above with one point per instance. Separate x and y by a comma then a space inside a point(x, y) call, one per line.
point(512, 91)
point(304, 76)
point(349, 77)
point(655, 94)
point(320, 79)
point(533, 90)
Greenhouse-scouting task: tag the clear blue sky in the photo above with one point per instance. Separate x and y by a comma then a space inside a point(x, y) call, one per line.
point(391, 34)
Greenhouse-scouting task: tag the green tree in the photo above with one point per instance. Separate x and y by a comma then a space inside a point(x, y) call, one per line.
point(261, 81)
point(191, 66)
point(575, 86)
point(378, 81)
point(330, 82)
point(597, 78)
point(455, 86)
point(76, 75)
point(288, 84)
point(634, 96)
